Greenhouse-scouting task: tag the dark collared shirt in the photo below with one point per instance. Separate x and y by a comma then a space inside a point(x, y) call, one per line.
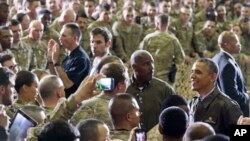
point(77, 66)
point(150, 98)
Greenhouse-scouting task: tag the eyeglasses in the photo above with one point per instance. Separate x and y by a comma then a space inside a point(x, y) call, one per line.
point(12, 67)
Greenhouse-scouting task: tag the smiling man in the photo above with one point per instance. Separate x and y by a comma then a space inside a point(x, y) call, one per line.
point(212, 106)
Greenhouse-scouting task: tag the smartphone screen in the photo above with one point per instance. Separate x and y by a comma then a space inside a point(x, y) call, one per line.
point(106, 84)
point(140, 135)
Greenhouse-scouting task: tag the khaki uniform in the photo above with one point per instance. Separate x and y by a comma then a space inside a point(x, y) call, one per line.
point(146, 23)
point(127, 39)
point(184, 33)
point(182, 84)
point(63, 111)
point(154, 134)
point(39, 53)
point(56, 25)
point(50, 34)
point(85, 41)
point(96, 24)
point(122, 135)
point(200, 17)
point(96, 107)
point(163, 47)
point(18, 104)
point(203, 43)
point(22, 55)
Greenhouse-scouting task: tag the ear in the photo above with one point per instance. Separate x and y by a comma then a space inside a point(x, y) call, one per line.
point(160, 129)
point(109, 43)
point(25, 88)
point(128, 117)
point(213, 77)
point(2, 90)
point(133, 66)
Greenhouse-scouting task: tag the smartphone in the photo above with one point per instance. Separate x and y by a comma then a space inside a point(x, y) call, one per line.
point(140, 135)
point(105, 84)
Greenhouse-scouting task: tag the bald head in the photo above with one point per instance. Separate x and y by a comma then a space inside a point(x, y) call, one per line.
point(127, 102)
point(67, 16)
point(49, 85)
point(229, 42)
point(36, 30)
point(198, 130)
point(139, 55)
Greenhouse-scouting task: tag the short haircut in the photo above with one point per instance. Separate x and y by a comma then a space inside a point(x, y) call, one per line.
point(198, 131)
point(20, 16)
point(13, 22)
point(217, 137)
point(5, 75)
point(44, 11)
point(58, 130)
point(138, 55)
point(24, 78)
point(121, 100)
point(174, 100)
point(75, 30)
point(116, 71)
point(5, 57)
point(106, 60)
point(48, 86)
point(162, 19)
point(89, 129)
point(81, 15)
point(106, 34)
point(4, 5)
point(173, 122)
point(212, 66)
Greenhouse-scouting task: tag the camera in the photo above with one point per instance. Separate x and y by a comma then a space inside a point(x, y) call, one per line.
point(140, 135)
point(105, 84)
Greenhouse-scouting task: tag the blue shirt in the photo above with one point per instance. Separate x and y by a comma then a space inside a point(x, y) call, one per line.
point(77, 66)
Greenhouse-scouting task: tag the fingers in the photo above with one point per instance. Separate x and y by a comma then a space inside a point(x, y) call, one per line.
point(239, 122)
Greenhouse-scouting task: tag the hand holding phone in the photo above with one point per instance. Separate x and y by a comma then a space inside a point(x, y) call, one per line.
point(140, 135)
point(105, 84)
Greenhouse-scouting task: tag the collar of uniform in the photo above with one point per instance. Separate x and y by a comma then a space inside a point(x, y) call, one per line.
point(104, 96)
point(72, 53)
point(133, 82)
point(210, 97)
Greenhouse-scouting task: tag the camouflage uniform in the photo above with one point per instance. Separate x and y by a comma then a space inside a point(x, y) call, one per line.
point(56, 25)
point(182, 84)
point(184, 33)
point(96, 24)
point(18, 104)
point(39, 53)
point(122, 135)
point(163, 47)
point(64, 110)
point(200, 17)
point(146, 24)
point(50, 33)
point(154, 134)
point(85, 41)
point(22, 55)
point(96, 107)
point(127, 39)
point(203, 43)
